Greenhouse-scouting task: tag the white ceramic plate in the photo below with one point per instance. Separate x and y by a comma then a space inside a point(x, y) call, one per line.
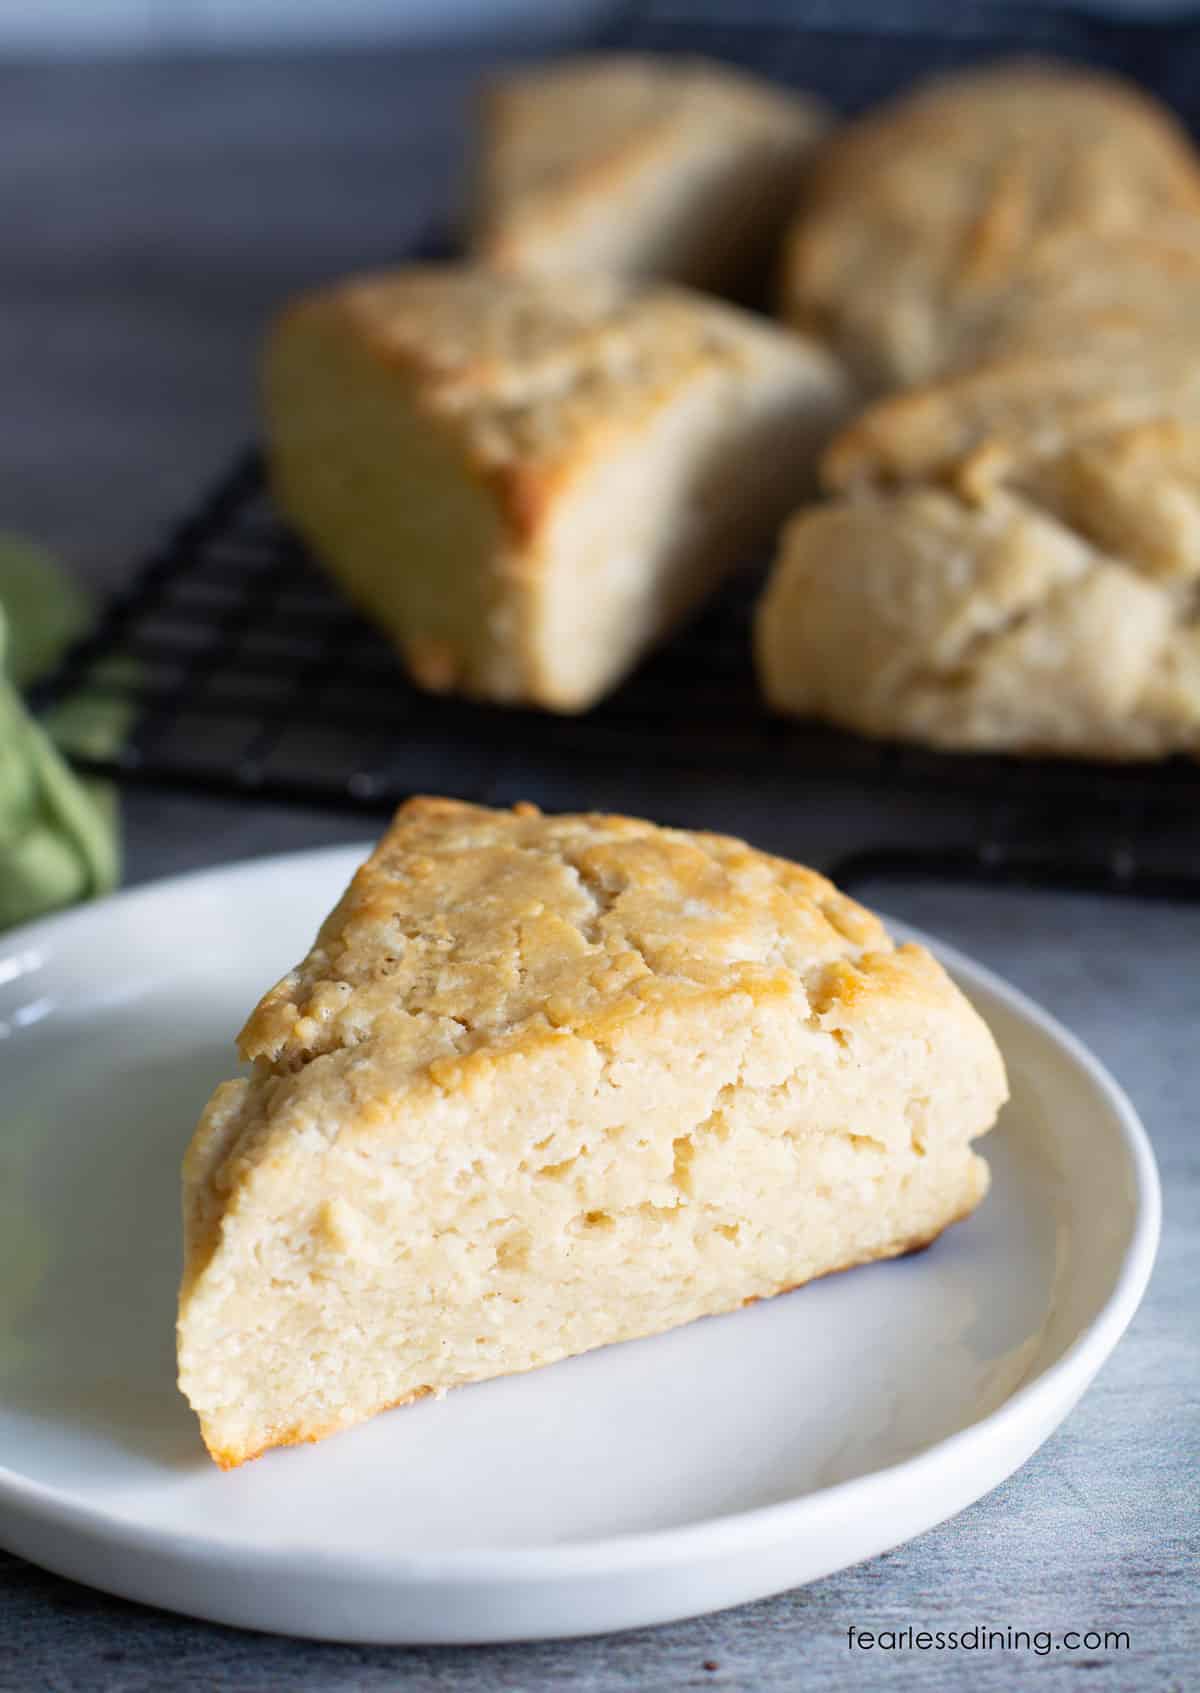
point(650, 1481)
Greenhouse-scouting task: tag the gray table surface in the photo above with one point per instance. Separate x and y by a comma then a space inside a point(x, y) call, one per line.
point(152, 215)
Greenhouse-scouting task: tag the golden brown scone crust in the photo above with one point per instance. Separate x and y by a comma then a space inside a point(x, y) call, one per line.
point(921, 220)
point(545, 1083)
point(506, 472)
point(677, 168)
point(531, 374)
point(533, 922)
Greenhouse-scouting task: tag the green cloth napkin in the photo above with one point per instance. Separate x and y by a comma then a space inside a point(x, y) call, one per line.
point(58, 834)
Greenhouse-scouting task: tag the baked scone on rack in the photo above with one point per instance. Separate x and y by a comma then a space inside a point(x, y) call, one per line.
point(1015, 562)
point(527, 482)
point(920, 221)
point(684, 169)
point(546, 1083)
point(987, 624)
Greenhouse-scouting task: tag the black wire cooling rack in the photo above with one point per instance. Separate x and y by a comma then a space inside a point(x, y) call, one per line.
point(246, 674)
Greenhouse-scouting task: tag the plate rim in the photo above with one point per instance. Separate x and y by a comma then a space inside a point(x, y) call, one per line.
point(1050, 1395)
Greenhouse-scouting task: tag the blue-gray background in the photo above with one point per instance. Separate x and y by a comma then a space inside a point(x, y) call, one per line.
point(88, 26)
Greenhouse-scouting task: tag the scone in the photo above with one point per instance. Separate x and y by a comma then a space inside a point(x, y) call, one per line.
point(676, 168)
point(1017, 566)
point(546, 1083)
point(527, 482)
point(1093, 345)
point(990, 624)
point(919, 221)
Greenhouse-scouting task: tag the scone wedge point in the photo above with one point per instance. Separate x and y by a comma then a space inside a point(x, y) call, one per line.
point(547, 1083)
point(527, 483)
point(678, 168)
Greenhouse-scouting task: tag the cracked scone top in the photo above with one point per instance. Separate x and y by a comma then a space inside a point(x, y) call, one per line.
point(466, 928)
point(545, 1083)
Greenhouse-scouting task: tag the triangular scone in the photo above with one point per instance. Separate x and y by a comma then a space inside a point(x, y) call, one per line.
point(921, 221)
point(677, 168)
point(544, 1083)
point(992, 625)
point(528, 482)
